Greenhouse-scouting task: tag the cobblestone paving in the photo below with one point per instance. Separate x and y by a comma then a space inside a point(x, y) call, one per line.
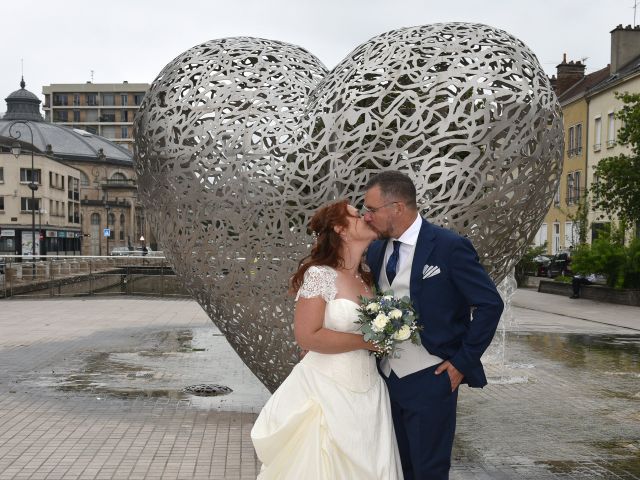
point(92, 390)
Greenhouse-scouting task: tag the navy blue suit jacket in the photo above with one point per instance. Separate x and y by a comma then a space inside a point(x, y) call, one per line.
point(444, 301)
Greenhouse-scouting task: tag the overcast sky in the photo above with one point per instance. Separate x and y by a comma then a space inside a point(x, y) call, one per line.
point(61, 41)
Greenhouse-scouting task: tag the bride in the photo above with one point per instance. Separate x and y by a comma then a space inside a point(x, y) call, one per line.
point(330, 418)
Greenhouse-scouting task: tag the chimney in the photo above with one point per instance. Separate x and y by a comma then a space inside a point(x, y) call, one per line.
point(568, 74)
point(625, 46)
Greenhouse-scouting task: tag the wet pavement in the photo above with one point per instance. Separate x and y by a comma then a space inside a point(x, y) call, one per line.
point(96, 389)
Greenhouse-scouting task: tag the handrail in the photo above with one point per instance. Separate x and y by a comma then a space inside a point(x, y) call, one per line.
point(136, 255)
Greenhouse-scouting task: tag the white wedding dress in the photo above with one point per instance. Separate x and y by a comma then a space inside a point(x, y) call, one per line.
point(330, 419)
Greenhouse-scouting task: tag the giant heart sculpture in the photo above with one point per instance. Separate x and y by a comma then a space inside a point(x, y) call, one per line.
point(239, 140)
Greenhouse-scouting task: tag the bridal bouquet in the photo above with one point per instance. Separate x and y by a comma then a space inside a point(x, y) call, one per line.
point(387, 321)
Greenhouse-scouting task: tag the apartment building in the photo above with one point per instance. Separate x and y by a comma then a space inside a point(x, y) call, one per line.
point(104, 109)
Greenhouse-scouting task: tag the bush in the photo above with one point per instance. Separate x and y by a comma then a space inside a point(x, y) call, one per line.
point(563, 279)
point(526, 265)
point(606, 256)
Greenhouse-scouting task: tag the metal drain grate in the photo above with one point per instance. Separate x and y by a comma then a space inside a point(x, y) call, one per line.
point(204, 390)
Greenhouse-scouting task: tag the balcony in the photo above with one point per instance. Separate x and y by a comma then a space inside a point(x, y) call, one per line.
point(119, 183)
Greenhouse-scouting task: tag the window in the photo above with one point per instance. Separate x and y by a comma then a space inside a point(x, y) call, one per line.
point(26, 205)
point(556, 238)
point(27, 177)
point(578, 141)
point(76, 116)
point(571, 147)
point(569, 239)
point(122, 225)
point(111, 219)
point(61, 116)
point(52, 211)
point(124, 116)
point(137, 98)
point(576, 186)
point(1, 174)
point(76, 99)
point(92, 99)
point(556, 197)
point(124, 132)
point(95, 219)
point(108, 99)
point(60, 99)
point(108, 116)
point(569, 188)
point(91, 115)
point(541, 236)
point(597, 134)
point(611, 130)
point(2, 203)
point(124, 99)
point(84, 179)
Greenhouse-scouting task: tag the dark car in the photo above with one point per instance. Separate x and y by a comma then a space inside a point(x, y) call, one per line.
point(560, 265)
point(541, 265)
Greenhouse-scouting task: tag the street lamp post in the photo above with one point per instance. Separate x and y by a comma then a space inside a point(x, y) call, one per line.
point(16, 150)
point(40, 212)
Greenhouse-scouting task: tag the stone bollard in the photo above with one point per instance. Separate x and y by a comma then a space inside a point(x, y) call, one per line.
point(55, 269)
point(11, 274)
point(41, 272)
point(65, 268)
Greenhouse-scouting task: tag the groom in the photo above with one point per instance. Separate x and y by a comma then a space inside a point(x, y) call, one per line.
point(440, 271)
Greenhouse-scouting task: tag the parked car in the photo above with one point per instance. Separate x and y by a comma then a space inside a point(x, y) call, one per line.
point(121, 251)
point(560, 265)
point(541, 263)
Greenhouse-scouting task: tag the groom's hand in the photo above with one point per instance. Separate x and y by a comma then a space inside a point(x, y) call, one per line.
point(455, 377)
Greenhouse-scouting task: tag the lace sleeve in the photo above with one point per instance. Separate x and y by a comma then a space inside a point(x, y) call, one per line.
point(319, 282)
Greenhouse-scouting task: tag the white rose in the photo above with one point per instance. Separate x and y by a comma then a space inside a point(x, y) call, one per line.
point(395, 314)
point(387, 297)
point(373, 307)
point(380, 322)
point(403, 334)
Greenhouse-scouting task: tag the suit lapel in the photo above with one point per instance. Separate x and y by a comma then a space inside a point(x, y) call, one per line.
point(424, 247)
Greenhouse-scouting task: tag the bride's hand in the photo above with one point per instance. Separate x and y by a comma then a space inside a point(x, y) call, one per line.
point(372, 347)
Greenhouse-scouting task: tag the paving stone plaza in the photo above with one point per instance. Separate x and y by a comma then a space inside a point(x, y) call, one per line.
point(93, 389)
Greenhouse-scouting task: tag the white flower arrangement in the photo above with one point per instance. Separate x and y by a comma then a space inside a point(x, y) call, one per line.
point(387, 321)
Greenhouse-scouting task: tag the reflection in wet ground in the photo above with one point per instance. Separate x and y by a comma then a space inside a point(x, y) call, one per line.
point(165, 365)
point(559, 406)
point(574, 414)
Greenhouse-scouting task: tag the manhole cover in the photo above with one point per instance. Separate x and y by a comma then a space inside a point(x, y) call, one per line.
point(204, 390)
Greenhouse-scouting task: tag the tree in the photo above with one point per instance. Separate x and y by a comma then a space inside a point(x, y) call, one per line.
point(617, 190)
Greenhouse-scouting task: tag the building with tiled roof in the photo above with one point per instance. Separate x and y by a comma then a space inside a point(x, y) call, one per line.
point(86, 184)
point(587, 101)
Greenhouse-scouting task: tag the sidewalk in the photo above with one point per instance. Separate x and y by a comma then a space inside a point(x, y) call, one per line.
point(91, 389)
point(609, 314)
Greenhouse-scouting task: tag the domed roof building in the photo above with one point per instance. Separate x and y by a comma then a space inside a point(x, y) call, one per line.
point(105, 197)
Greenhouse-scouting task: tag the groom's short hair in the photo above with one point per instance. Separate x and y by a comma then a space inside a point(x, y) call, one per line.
point(395, 185)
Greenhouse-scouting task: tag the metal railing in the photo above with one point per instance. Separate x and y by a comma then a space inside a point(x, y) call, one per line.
point(53, 276)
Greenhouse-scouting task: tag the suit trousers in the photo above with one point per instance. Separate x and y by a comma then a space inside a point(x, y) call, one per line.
point(424, 418)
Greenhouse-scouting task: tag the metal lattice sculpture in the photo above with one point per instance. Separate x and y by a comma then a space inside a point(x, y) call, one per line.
point(239, 140)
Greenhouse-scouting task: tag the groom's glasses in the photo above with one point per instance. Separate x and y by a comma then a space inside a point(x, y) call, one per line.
point(373, 210)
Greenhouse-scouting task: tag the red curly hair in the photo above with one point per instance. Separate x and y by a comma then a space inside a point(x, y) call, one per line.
point(326, 249)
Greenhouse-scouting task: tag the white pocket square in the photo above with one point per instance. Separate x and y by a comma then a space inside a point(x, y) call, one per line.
point(430, 271)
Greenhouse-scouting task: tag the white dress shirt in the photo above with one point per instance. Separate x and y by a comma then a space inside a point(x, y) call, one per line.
point(413, 358)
